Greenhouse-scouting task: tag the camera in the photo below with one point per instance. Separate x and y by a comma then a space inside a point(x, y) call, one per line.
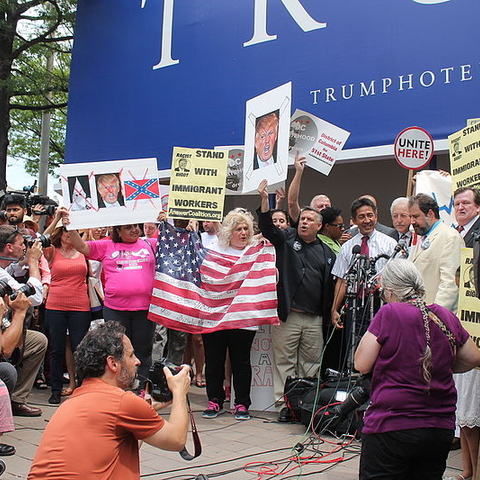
point(6, 289)
point(332, 417)
point(160, 391)
point(29, 240)
point(42, 200)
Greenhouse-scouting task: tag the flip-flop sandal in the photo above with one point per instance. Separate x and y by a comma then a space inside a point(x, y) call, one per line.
point(40, 384)
point(66, 392)
point(200, 384)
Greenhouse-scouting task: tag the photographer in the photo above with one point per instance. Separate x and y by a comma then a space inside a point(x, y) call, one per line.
point(96, 433)
point(8, 374)
point(33, 344)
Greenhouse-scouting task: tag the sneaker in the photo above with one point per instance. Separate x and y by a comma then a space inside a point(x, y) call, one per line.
point(213, 410)
point(241, 413)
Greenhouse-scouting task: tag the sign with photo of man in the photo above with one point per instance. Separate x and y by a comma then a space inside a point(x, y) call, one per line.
point(119, 192)
point(267, 124)
point(465, 156)
point(197, 184)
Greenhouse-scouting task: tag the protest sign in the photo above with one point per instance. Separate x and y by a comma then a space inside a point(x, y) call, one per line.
point(118, 192)
point(316, 139)
point(197, 184)
point(413, 148)
point(234, 180)
point(468, 303)
point(267, 122)
point(465, 156)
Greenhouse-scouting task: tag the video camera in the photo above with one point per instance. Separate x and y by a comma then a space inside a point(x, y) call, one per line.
point(156, 376)
point(31, 200)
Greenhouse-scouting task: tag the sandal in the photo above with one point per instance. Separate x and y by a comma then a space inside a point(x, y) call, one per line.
point(40, 384)
point(200, 383)
point(66, 391)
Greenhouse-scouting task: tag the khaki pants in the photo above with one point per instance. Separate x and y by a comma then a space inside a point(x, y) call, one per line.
point(35, 348)
point(297, 349)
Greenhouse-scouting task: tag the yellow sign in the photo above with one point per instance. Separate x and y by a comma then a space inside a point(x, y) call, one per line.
point(197, 184)
point(468, 303)
point(465, 157)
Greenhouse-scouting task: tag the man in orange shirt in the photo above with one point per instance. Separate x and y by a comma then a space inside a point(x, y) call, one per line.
point(96, 433)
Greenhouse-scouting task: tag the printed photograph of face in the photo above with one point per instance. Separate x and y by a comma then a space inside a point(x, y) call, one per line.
point(266, 134)
point(109, 191)
point(183, 165)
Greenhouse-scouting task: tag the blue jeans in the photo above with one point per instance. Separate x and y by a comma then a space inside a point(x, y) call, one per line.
point(57, 323)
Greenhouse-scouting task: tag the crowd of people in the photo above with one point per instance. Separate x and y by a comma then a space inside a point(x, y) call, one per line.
point(343, 301)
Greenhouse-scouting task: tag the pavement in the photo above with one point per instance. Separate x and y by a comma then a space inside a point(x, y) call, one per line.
point(257, 449)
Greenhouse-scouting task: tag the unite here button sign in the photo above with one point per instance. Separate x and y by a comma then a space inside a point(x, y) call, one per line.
point(413, 148)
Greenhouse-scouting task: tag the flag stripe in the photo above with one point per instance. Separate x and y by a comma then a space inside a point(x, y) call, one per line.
point(198, 290)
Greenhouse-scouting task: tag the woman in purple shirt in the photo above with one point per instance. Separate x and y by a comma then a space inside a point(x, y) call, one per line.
point(412, 350)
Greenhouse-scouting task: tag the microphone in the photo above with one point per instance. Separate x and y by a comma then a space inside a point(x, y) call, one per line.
point(355, 257)
point(400, 247)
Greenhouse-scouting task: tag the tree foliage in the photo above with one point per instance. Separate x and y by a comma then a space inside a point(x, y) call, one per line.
point(30, 32)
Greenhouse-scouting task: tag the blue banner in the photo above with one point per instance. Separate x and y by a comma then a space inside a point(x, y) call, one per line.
point(148, 75)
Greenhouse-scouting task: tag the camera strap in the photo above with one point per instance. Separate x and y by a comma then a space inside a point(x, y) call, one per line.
point(196, 437)
point(197, 445)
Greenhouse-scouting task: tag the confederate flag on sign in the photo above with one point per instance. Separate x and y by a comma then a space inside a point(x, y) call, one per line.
point(142, 189)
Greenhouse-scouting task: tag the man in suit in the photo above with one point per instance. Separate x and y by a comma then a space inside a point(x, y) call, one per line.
point(466, 204)
point(402, 222)
point(437, 252)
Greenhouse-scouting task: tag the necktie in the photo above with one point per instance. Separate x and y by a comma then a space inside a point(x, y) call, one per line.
point(460, 229)
point(364, 246)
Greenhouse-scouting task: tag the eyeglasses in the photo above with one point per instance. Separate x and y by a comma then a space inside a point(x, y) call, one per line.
point(339, 225)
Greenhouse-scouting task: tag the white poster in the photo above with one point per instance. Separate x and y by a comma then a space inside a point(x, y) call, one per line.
point(119, 192)
point(439, 186)
point(314, 138)
point(267, 124)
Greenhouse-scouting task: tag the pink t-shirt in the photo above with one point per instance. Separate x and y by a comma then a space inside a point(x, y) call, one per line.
point(129, 269)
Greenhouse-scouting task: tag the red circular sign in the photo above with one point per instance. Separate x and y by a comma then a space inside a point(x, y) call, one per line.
point(413, 148)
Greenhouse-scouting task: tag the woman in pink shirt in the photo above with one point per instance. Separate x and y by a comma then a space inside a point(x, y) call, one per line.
point(128, 264)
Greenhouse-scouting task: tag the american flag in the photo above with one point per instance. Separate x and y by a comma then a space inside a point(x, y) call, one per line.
point(198, 290)
point(142, 189)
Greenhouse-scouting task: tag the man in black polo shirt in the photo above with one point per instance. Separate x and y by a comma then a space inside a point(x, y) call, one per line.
point(305, 292)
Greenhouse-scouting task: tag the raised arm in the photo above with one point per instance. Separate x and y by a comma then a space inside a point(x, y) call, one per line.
point(263, 192)
point(294, 188)
point(77, 241)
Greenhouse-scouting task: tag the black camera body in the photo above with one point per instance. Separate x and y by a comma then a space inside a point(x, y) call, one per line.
point(6, 289)
point(156, 376)
point(44, 240)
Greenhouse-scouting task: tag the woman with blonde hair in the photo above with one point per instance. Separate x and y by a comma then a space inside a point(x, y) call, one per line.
point(234, 238)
